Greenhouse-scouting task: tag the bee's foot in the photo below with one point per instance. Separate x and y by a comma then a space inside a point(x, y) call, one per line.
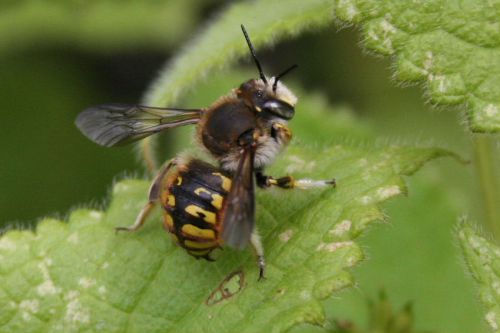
point(332, 182)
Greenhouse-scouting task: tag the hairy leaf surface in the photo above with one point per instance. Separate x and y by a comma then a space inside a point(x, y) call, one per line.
point(483, 259)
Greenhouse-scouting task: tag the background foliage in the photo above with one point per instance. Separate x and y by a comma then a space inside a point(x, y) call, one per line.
point(59, 58)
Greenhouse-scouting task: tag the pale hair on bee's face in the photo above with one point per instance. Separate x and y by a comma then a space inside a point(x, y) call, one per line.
point(282, 92)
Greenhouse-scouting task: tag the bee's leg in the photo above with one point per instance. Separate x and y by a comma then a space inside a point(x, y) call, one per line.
point(259, 252)
point(141, 218)
point(148, 155)
point(264, 181)
point(154, 195)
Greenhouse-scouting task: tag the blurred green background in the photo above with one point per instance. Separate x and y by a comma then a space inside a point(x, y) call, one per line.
point(58, 58)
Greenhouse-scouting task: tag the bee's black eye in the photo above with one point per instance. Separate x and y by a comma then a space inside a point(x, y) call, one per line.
point(279, 108)
point(259, 93)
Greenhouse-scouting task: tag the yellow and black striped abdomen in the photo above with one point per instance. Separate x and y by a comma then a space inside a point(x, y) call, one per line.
point(192, 199)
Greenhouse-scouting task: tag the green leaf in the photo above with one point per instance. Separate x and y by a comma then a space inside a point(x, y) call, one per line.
point(483, 260)
point(419, 229)
point(452, 45)
point(80, 276)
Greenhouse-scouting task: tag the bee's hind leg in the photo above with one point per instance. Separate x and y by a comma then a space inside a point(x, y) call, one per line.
point(289, 182)
point(259, 252)
point(154, 195)
point(141, 218)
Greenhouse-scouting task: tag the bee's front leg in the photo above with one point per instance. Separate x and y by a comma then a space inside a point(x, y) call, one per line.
point(289, 182)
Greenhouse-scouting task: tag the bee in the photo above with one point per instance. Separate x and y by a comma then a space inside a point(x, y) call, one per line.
point(207, 206)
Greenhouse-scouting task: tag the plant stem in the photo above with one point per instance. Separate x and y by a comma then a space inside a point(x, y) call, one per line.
point(487, 168)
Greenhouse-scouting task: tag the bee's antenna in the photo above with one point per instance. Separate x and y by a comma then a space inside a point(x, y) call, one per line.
point(277, 77)
point(252, 51)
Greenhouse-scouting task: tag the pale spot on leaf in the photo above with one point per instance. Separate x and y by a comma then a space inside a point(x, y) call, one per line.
point(341, 228)
point(120, 187)
point(86, 282)
point(387, 192)
point(102, 290)
point(28, 308)
point(362, 162)
point(7, 244)
point(95, 214)
point(365, 200)
point(47, 288)
point(331, 247)
point(491, 319)
point(286, 235)
point(298, 164)
point(348, 8)
point(73, 238)
point(76, 313)
point(305, 295)
point(491, 110)
point(429, 60)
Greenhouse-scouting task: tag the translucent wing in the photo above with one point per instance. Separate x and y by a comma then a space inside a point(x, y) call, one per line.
point(239, 205)
point(117, 124)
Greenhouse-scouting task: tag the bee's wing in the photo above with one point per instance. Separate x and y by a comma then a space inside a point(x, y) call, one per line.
point(239, 206)
point(117, 124)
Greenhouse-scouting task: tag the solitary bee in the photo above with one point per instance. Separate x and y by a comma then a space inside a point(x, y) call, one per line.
point(206, 206)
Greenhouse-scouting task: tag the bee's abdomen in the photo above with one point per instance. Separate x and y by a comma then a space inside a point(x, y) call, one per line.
point(192, 200)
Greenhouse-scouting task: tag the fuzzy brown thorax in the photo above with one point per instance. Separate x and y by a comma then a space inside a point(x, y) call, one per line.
point(253, 107)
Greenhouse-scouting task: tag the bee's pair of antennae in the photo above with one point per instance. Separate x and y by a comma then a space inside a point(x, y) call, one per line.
point(259, 67)
point(279, 76)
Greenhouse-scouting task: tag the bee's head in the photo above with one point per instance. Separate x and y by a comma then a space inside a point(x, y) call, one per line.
point(267, 96)
point(268, 100)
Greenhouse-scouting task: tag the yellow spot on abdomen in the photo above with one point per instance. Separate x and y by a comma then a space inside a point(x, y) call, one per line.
point(226, 182)
point(200, 190)
point(169, 222)
point(199, 245)
point(193, 231)
point(201, 213)
point(217, 201)
point(179, 181)
point(199, 253)
point(175, 238)
point(216, 198)
point(171, 200)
